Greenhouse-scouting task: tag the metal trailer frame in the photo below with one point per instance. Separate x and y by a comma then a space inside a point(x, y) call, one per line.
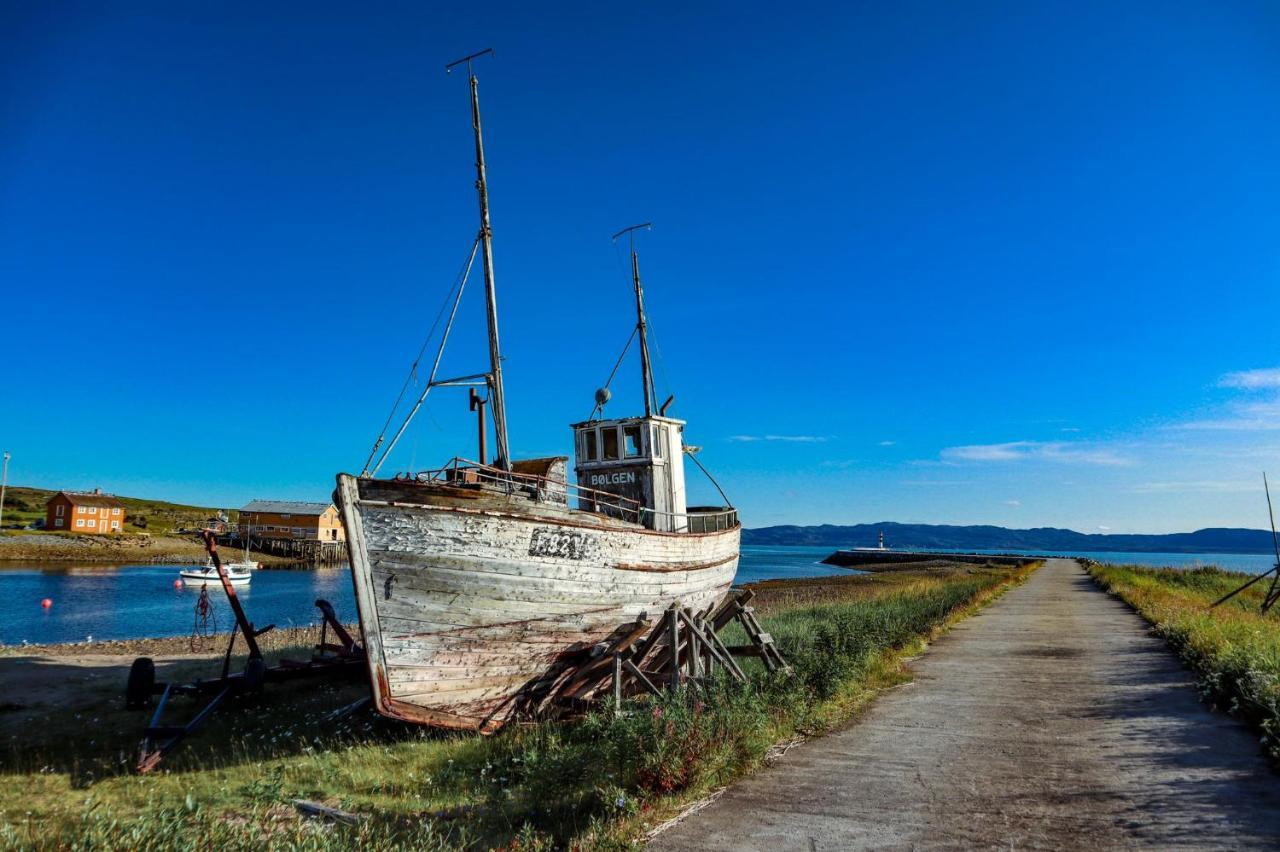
point(345, 658)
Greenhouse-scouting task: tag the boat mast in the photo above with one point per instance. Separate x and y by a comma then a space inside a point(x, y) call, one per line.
point(497, 397)
point(646, 370)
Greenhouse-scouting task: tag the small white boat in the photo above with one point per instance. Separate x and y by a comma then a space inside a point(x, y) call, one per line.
point(243, 565)
point(209, 574)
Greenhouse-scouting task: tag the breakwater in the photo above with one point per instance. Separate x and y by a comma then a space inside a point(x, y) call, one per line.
point(863, 558)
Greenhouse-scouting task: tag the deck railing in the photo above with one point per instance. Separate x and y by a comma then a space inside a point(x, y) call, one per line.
point(460, 471)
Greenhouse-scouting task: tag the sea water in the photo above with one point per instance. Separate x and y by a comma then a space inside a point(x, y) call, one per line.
point(130, 601)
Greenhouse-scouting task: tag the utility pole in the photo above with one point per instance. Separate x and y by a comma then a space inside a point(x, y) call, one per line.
point(4, 481)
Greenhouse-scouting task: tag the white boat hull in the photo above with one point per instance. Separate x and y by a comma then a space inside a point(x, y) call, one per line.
point(205, 578)
point(470, 611)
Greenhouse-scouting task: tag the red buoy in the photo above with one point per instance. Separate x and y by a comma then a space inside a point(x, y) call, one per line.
point(177, 584)
point(46, 603)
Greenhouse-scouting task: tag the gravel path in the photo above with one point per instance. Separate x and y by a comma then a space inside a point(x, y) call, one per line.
point(1051, 720)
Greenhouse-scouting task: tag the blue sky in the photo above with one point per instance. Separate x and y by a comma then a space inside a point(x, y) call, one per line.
point(930, 262)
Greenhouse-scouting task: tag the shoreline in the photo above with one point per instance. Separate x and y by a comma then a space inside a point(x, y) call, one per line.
point(166, 646)
point(122, 550)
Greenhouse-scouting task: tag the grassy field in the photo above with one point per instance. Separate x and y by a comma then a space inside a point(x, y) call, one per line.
point(25, 506)
point(598, 783)
point(1234, 648)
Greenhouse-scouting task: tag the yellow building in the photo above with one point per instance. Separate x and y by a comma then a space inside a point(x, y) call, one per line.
point(293, 520)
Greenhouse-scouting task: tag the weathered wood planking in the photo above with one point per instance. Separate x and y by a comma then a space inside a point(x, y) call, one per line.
point(472, 606)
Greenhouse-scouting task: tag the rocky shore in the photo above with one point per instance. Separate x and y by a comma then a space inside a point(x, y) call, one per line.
point(52, 547)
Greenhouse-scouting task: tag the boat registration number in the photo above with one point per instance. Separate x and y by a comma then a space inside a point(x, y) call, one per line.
point(563, 544)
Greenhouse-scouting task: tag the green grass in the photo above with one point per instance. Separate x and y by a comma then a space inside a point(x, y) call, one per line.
point(596, 783)
point(1234, 648)
point(25, 506)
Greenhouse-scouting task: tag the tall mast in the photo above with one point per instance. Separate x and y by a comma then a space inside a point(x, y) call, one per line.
point(646, 370)
point(497, 397)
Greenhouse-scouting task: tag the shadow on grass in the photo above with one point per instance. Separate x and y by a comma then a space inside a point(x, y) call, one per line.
point(70, 718)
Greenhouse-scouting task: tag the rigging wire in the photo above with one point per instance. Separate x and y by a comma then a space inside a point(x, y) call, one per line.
point(657, 348)
point(624, 271)
point(693, 458)
point(435, 366)
point(600, 406)
point(458, 282)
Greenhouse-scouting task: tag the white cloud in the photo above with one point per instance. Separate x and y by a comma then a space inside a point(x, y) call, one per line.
point(1252, 379)
point(794, 439)
point(1013, 502)
point(1104, 528)
point(1049, 451)
point(887, 443)
point(1242, 417)
point(1204, 486)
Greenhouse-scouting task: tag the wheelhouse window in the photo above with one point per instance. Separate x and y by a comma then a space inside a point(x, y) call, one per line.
point(611, 449)
point(590, 446)
point(631, 441)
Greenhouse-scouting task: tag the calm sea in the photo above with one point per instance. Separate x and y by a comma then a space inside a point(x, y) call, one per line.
point(123, 602)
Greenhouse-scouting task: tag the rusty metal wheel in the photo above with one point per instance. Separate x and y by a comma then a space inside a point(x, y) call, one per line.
point(141, 685)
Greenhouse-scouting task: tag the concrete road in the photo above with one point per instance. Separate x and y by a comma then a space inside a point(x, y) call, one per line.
point(1053, 719)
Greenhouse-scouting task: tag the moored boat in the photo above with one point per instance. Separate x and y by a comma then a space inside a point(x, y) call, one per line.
point(478, 584)
point(208, 575)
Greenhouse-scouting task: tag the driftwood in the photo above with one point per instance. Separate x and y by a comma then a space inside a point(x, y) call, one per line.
point(315, 809)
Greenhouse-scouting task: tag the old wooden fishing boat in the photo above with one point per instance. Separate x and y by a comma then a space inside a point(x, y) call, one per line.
point(478, 584)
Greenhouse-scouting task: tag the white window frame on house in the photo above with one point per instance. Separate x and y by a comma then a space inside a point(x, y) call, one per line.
point(115, 511)
point(115, 525)
point(57, 522)
point(57, 510)
point(79, 510)
point(79, 522)
point(92, 523)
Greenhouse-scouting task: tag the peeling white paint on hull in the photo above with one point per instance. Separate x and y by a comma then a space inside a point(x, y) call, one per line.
point(471, 607)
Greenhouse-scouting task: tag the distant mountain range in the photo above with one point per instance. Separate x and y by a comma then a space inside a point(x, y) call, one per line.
point(909, 536)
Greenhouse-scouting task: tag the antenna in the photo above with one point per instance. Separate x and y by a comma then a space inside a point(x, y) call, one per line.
point(488, 51)
point(1273, 593)
point(646, 370)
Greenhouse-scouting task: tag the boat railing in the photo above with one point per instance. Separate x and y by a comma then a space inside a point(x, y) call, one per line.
point(460, 471)
point(697, 519)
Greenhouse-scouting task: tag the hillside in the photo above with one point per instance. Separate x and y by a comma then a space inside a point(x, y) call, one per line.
point(25, 506)
point(908, 536)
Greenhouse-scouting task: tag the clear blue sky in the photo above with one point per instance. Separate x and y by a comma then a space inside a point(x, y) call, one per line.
point(1009, 263)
